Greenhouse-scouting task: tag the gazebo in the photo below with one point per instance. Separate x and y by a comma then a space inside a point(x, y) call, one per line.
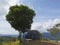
point(32, 34)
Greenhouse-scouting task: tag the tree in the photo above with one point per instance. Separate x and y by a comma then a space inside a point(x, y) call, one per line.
point(20, 18)
point(55, 30)
point(34, 35)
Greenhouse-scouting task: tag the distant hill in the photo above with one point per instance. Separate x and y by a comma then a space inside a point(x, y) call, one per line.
point(49, 36)
point(8, 35)
point(1, 35)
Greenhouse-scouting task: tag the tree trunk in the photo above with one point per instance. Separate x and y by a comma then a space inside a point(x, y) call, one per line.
point(20, 41)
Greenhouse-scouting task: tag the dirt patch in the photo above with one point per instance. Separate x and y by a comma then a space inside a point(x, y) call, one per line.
point(30, 42)
point(58, 43)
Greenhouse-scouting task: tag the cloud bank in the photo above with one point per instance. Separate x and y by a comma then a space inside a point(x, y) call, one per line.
point(5, 28)
point(43, 26)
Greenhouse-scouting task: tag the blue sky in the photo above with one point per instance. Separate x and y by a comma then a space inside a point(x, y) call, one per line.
point(47, 14)
point(45, 9)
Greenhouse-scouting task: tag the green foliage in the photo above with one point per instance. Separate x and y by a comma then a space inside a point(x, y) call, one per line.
point(20, 17)
point(11, 43)
point(55, 30)
point(5, 40)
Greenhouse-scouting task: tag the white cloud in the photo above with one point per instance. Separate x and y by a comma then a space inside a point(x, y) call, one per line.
point(43, 26)
point(5, 4)
point(26, 3)
point(5, 28)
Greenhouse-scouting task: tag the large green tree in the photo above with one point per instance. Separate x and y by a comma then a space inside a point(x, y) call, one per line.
point(20, 17)
point(55, 30)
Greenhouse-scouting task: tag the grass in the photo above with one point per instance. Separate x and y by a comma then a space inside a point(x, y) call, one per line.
point(17, 42)
point(11, 43)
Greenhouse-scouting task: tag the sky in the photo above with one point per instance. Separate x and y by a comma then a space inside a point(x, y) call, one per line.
point(47, 14)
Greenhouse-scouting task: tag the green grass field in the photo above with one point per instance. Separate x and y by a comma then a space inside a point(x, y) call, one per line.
point(10, 43)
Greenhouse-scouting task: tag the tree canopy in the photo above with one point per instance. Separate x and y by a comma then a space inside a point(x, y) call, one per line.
point(55, 31)
point(20, 17)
